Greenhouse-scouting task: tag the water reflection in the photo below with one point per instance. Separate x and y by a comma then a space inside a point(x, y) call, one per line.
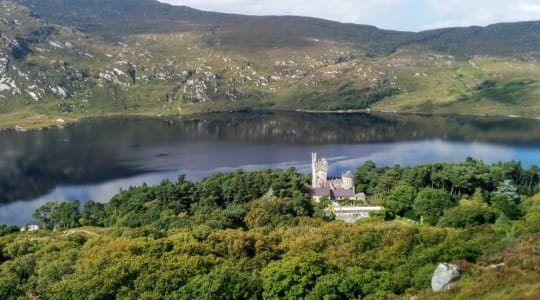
point(93, 159)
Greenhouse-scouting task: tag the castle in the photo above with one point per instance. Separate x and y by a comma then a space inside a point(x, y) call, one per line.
point(341, 188)
point(338, 189)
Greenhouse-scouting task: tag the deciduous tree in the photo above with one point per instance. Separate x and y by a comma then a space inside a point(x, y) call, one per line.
point(430, 204)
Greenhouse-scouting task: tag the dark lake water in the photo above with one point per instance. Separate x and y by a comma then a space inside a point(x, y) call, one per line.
point(95, 158)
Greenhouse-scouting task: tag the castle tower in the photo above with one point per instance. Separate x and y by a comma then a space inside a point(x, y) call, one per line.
point(314, 182)
point(319, 170)
point(347, 180)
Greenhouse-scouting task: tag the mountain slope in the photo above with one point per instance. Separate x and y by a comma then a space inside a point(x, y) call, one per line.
point(115, 19)
point(79, 58)
point(504, 39)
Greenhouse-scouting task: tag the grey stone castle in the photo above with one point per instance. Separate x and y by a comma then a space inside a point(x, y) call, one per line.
point(340, 188)
point(337, 190)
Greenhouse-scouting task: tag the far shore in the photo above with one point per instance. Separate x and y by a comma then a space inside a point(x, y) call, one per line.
point(26, 121)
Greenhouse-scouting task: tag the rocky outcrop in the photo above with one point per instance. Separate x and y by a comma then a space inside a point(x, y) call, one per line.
point(444, 276)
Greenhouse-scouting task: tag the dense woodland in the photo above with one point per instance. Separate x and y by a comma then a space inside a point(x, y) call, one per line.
point(258, 235)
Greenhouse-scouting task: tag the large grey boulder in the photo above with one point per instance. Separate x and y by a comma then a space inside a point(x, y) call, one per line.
point(444, 275)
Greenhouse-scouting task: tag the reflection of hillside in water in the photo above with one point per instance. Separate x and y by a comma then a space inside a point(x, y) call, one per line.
point(33, 163)
point(359, 128)
point(293, 128)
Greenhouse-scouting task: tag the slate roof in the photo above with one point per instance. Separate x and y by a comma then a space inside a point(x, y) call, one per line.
point(319, 192)
point(343, 193)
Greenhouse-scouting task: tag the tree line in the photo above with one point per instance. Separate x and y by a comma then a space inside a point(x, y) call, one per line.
point(449, 194)
point(223, 199)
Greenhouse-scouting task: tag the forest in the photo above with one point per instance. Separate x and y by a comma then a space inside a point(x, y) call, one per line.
point(258, 235)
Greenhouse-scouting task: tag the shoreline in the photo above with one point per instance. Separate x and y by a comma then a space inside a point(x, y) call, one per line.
point(59, 122)
point(367, 111)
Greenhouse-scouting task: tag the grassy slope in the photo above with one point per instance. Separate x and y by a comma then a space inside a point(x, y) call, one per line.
point(517, 279)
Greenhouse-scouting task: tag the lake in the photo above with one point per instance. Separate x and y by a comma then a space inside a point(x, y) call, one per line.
point(93, 159)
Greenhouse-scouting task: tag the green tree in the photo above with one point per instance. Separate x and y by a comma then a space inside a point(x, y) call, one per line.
point(400, 199)
point(67, 214)
point(46, 215)
point(531, 220)
point(257, 217)
point(460, 177)
point(505, 204)
point(7, 229)
point(478, 197)
point(58, 265)
point(233, 215)
point(388, 180)
point(468, 213)
point(10, 287)
point(359, 283)
point(327, 287)
point(293, 277)
point(54, 214)
point(439, 175)
point(222, 283)
point(177, 196)
point(506, 199)
point(93, 213)
point(430, 204)
point(506, 188)
point(534, 177)
point(366, 177)
point(417, 176)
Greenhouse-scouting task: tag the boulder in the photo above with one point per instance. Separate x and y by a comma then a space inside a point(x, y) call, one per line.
point(444, 275)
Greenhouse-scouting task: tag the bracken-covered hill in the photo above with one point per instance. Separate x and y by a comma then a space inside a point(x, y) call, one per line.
point(71, 59)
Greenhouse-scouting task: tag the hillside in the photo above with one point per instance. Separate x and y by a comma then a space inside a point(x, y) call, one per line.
point(516, 279)
point(83, 58)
